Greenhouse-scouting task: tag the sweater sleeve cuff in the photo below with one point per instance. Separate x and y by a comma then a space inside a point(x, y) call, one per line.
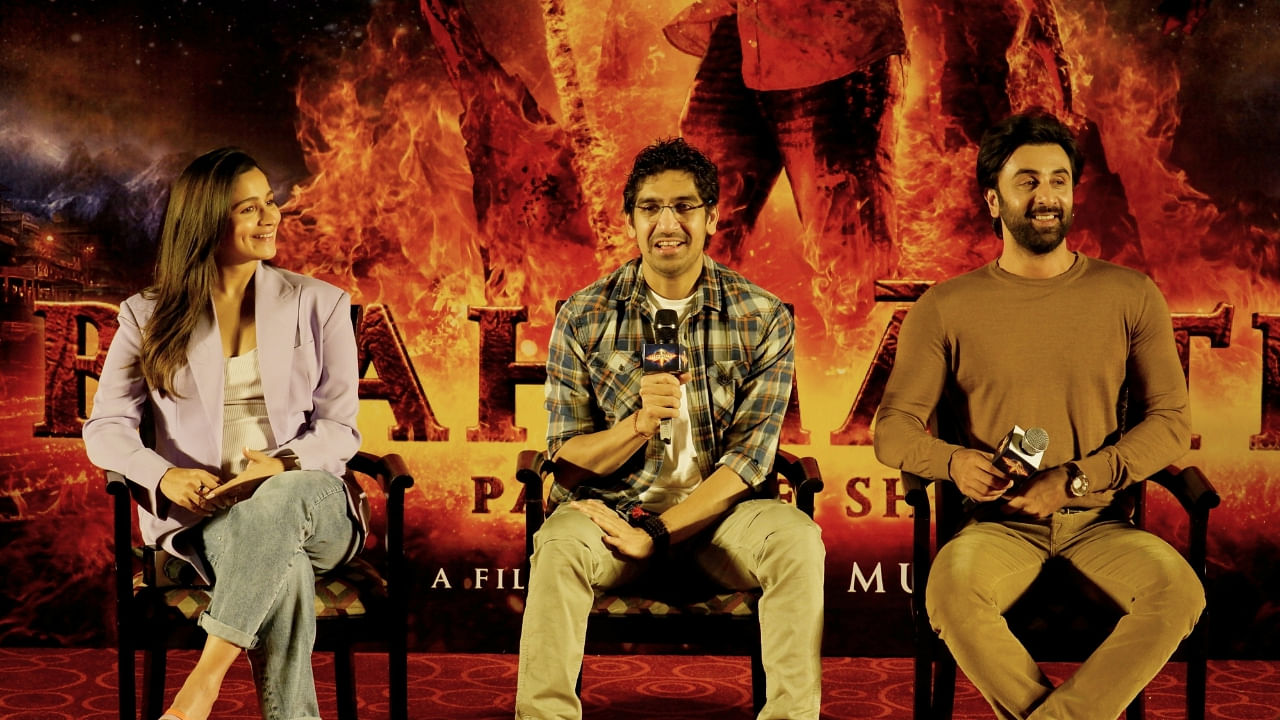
point(939, 467)
point(1098, 469)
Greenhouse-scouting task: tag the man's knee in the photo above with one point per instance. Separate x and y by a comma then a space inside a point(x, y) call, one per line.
point(951, 589)
point(801, 540)
point(780, 522)
point(566, 541)
point(793, 544)
point(1178, 596)
point(1190, 602)
point(936, 594)
point(557, 554)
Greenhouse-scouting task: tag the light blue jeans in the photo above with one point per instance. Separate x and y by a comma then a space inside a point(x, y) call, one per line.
point(265, 552)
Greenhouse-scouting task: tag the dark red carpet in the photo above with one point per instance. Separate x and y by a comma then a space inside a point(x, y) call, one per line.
point(47, 684)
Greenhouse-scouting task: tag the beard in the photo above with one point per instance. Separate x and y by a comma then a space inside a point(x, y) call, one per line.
point(1031, 239)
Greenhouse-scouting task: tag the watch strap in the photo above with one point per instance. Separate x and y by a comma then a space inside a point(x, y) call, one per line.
point(1073, 474)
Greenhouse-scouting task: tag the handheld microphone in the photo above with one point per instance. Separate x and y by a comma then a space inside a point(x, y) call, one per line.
point(1020, 452)
point(664, 355)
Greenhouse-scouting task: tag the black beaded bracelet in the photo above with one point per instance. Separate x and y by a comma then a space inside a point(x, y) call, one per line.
point(658, 532)
point(652, 524)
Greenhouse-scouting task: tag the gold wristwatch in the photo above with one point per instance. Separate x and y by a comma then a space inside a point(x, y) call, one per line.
point(1077, 481)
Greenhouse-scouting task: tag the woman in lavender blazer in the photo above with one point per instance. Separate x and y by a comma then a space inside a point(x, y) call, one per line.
point(248, 377)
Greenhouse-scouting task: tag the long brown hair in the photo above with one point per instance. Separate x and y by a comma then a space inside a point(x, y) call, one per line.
point(195, 222)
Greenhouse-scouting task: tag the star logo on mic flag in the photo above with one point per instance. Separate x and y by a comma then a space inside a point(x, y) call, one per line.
point(1017, 470)
point(661, 357)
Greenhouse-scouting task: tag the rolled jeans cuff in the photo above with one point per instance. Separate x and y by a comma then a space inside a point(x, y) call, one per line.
point(239, 638)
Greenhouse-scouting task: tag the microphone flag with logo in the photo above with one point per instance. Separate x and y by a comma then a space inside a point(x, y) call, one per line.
point(664, 355)
point(1020, 452)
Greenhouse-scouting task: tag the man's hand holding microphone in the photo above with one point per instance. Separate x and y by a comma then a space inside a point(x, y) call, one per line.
point(665, 371)
point(1013, 473)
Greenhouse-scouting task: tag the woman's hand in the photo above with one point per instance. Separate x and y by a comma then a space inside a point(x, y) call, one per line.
point(261, 466)
point(190, 489)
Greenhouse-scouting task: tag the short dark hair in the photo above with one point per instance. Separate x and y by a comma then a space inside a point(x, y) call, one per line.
point(672, 154)
point(1034, 127)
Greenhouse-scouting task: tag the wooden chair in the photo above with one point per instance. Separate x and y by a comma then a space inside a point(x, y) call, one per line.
point(1046, 619)
point(673, 612)
point(158, 598)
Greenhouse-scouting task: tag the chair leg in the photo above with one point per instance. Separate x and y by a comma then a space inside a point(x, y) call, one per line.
point(154, 662)
point(126, 680)
point(922, 695)
point(1137, 709)
point(1197, 669)
point(344, 678)
point(944, 685)
point(398, 676)
point(758, 682)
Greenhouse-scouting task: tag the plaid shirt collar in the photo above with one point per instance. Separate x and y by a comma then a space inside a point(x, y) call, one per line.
point(631, 287)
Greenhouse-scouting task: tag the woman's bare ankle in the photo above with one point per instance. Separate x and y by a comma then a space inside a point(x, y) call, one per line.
point(200, 690)
point(198, 693)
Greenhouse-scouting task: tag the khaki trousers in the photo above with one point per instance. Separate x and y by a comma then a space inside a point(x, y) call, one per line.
point(759, 543)
point(989, 564)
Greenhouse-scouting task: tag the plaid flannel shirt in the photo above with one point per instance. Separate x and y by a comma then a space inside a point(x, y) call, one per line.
point(740, 342)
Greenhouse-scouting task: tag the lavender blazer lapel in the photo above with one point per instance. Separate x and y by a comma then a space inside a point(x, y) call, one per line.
point(276, 314)
point(205, 361)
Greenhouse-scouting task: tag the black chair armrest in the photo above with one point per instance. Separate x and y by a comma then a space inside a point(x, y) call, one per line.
point(117, 484)
point(121, 491)
point(917, 493)
point(1197, 496)
point(122, 488)
point(392, 475)
point(390, 471)
point(1190, 487)
point(532, 467)
point(122, 537)
point(398, 469)
point(803, 475)
point(916, 488)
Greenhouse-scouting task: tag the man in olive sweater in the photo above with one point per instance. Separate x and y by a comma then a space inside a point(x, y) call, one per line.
point(1044, 337)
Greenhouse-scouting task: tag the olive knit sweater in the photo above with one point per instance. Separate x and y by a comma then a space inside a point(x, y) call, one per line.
point(997, 349)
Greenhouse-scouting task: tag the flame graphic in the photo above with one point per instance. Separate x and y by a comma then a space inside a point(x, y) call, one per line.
point(415, 138)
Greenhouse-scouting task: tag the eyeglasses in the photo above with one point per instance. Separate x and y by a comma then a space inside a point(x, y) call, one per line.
point(682, 210)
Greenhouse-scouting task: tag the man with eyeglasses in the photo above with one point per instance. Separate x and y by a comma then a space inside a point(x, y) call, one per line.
point(627, 502)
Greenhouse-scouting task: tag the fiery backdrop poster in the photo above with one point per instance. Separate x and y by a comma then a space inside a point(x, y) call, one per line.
point(457, 166)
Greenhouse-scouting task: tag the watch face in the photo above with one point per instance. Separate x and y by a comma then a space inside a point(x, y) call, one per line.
point(1079, 484)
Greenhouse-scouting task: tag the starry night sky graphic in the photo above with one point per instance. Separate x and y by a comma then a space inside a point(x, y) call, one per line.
point(167, 76)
